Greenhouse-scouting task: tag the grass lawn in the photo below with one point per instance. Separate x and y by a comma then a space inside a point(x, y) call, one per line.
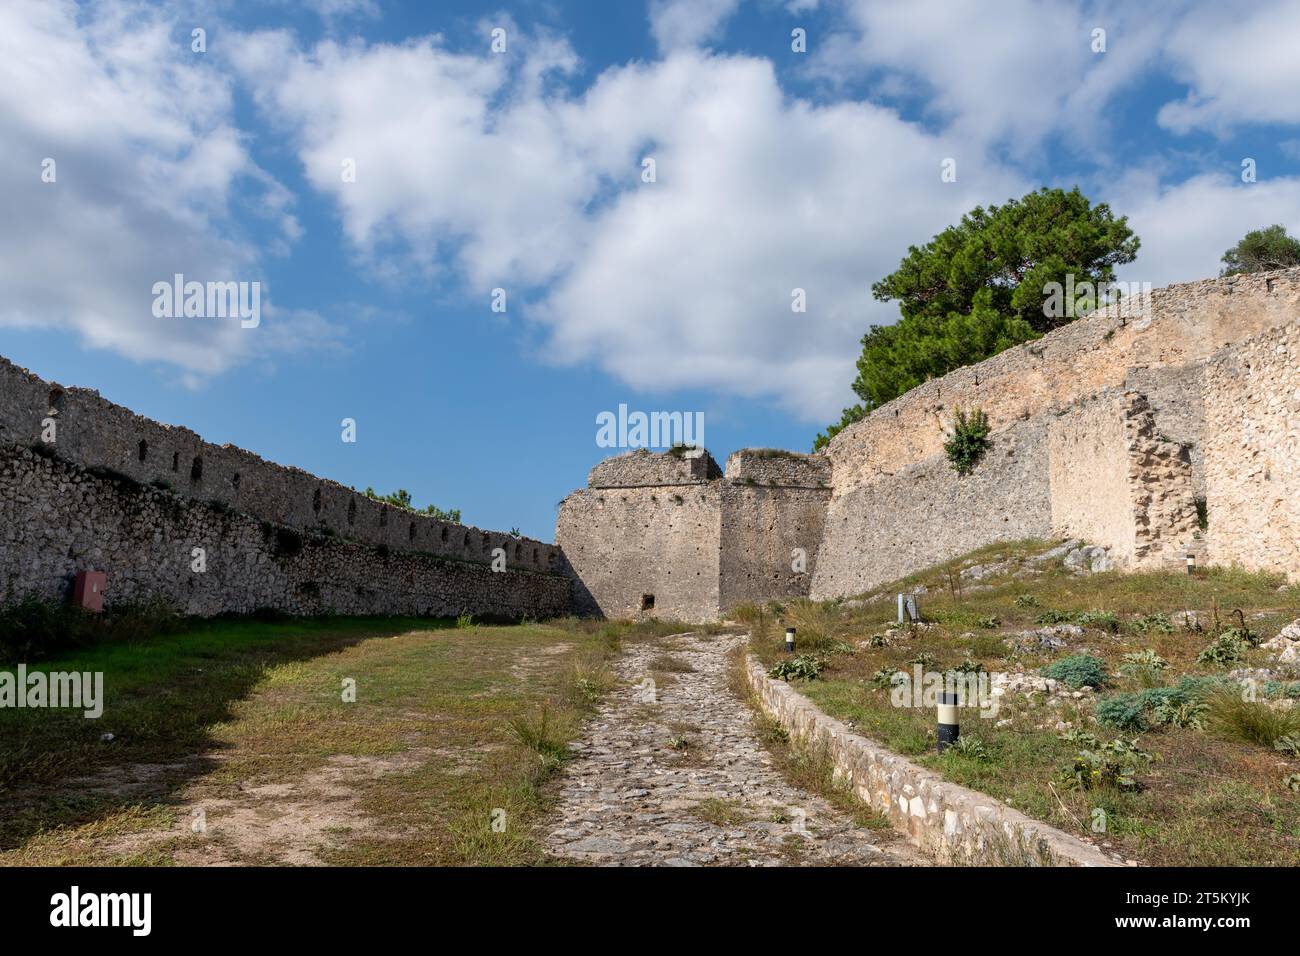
point(1212, 795)
point(231, 742)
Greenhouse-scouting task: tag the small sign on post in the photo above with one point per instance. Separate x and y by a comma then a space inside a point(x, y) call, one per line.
point(909, 611)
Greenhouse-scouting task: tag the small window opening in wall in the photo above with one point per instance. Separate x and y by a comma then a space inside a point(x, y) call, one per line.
point(196, 470)
point(176, 461)
point(143, 451)
point(235, 480)
point(383, 517)
point(445, 533)
point(466, 540)
point(315, 501)
point(534, 555)
point(647, 602)
point(56, 401)
point(410, 534)
point(352, 511)
point(518, 551)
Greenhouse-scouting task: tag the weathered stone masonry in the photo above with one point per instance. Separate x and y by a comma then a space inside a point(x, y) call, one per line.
point(672, 536)
point(1109, 428)
point(1252, 452)
point(119, 493)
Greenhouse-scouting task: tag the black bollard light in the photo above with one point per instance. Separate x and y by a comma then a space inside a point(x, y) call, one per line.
point(1191, 563)
point(789, 640)
point(948, 729)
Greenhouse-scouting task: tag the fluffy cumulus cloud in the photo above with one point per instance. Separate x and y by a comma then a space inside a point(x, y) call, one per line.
point(1240, 64)
point(680, 282)
point(524, 171)
point(145, 157)
point(688, 23)
point(1012, 73)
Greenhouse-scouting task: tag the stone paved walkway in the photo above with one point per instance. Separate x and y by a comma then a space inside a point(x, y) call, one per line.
point(685, 781)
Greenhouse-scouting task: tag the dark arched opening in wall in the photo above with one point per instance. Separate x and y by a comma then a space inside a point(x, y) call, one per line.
point(196, 469)
point(410, 534)
point(143, 450)
point(444, 535)
point(56, 400)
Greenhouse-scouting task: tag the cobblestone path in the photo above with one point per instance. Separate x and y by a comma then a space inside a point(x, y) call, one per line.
point(675, 775)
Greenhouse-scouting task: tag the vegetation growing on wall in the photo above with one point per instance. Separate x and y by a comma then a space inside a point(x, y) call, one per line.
point(968, 440)
point(401, 498)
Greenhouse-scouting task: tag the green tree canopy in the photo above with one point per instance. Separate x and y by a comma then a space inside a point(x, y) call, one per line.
point(1261, 250)
point(980, 286)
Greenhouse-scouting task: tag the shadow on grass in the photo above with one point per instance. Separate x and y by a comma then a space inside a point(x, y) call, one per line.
point(162, 696)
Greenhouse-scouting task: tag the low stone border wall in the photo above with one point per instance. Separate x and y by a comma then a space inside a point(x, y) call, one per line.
point(950, 822)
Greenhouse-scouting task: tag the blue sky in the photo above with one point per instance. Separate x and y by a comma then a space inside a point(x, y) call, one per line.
point(522, 170)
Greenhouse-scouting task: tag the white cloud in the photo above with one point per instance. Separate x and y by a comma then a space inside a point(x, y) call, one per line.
point(1186, 227)
point(688, 23)
point(146, 157)
point(1241, 64)
point(684, 282)
point(1004, 75)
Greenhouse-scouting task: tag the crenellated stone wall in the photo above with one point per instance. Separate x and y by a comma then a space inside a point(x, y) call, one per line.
point(88, 485)
point(95, 433)
point(156, 546)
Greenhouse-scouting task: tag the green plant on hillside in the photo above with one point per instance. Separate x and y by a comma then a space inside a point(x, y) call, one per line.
point(1225, 650)
point(1288, 744)
point(1145, 659)
point(799, 667)
point(886, 677)
point(1113, 764)
point(970, 747)
point(1157, 623)
point(968, 440)
point(1026, 600)
point(1233, 716)
point(1101, 620)
point(1078, 670)
point(1180, 713)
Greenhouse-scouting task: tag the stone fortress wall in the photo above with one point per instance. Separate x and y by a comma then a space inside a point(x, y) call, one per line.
point(675, 537)
point(119, 493)
point(1112, 428)
point(1252, 452)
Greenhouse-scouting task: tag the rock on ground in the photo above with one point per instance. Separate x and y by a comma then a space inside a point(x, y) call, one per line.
point(630, 797)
